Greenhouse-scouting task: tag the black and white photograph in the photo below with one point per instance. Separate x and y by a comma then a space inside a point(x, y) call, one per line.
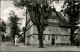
point(40, 25)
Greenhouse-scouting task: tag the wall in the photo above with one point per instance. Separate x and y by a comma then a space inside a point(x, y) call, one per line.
point(62, 39)
point(58, 39)
point(36, 41)
point(53, 30)
point(50, 30)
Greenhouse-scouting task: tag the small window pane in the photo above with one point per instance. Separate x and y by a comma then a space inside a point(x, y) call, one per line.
point(48, 37)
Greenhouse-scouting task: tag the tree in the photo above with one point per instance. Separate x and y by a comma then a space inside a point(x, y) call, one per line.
point(2, 26)
point(2, 29)
point(39, 11)
point(72, 11)
point(14, 22)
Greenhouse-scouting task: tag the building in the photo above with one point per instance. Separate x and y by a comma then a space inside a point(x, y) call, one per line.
point(54, 34)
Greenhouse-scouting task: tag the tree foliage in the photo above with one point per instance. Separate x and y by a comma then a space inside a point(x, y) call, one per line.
point(14, 24)
point(2, 26)
point(39, 11)
point(72, 11)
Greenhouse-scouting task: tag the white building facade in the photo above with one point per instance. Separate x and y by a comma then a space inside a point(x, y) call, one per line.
point(53, 34)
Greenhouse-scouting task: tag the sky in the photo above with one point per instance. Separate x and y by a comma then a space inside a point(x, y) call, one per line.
point(7, 6)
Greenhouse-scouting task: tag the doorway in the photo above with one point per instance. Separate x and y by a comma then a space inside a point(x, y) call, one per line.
point(53, 40)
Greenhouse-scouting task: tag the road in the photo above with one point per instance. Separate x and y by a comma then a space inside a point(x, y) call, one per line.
point(8, 46)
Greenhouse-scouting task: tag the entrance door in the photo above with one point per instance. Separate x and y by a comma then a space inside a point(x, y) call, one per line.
point(53, 40)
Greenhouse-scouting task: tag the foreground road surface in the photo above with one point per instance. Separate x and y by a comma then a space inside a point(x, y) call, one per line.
point(8, 46)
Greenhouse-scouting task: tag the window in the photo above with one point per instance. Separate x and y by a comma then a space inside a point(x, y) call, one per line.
point(58, 21)
point(53, 29)
point(47, 29)
point(66, 30)
point(62, 38)
point(57, 29)
point(61, 29)
point(43, 37)
point(48, 37)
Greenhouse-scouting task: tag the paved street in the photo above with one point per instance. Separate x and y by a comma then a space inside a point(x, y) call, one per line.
point(8, 46)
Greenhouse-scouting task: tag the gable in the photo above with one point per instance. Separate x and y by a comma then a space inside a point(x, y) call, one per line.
point(58, 16)
point(53, 15)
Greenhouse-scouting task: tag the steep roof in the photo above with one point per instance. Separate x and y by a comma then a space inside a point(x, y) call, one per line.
point(59, 16)
point(62, 20)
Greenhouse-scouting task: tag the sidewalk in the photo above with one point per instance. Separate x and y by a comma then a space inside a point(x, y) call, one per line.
point(9, 47)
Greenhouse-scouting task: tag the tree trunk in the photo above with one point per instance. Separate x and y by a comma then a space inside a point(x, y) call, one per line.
point(40, 35)
point(24, 36)
point(72, 36)
point(25, 26)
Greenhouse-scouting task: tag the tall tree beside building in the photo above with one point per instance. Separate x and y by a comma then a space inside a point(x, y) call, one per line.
point(14, 24)
point(2, 26)
point(39, 11)
point(2, 29)
point(72, 11)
